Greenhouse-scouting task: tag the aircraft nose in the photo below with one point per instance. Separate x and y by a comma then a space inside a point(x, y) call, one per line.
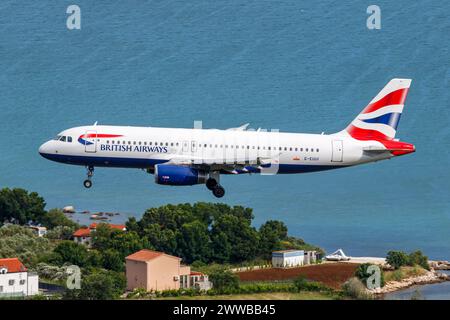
point(44, 149)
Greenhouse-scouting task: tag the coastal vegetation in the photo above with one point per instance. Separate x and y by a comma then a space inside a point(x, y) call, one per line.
point(208, 235)
point(397, 259)
point(212, 233)
point(213, 238)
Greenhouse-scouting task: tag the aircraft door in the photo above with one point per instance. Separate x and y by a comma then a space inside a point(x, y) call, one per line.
point(337, 151)
point(90, 141)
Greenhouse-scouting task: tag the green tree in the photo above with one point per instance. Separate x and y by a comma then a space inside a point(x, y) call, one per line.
point(242, 238)
point(194, 243)
point(60, 233)
point(397, 259)
point(224, 279)
point(20, 205)
point(70, 252)
point(418, 258)
point(270, 234)
point(55, 217)
point(363, 274)
point(21, 242)
point(111, 260)
point(99, 285)
point(124, 243)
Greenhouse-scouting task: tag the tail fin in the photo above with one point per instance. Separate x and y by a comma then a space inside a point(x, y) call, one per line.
point(379, 119)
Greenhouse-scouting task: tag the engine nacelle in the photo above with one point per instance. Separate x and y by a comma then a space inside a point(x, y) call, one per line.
point(178, 175)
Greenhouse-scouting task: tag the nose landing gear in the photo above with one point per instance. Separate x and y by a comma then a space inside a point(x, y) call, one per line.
point(90, 172)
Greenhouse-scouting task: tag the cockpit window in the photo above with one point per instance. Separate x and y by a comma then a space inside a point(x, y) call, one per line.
point(57, 137)
point(69, 139)
point(63, 139)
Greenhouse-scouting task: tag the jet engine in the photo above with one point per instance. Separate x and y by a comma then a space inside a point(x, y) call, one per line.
point(178, 175)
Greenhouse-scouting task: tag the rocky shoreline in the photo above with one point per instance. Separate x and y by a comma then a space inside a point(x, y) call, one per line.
point(430, 277)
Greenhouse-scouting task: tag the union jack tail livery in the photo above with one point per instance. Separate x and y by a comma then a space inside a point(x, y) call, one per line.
point(379, 119)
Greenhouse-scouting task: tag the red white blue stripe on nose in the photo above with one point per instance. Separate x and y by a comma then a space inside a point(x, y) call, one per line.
point(83, 137)
point(380, 118)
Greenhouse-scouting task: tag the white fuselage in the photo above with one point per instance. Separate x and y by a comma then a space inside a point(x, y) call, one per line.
point(143, 147)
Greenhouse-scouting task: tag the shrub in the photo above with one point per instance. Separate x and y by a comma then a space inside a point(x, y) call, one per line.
point(397, 259)
point(363, 275)
point(224, 279)
point(99, 285)
point(418, 258)
point(60, 233)
point(69, 252)
point(355, 289)
point(55, 217)
point(21, 242)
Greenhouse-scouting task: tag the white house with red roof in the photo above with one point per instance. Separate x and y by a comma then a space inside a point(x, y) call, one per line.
point(15, 280)
point(84, 235)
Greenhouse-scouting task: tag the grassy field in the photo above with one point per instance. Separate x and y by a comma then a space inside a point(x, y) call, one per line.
point(403, 273)
point(262, 296)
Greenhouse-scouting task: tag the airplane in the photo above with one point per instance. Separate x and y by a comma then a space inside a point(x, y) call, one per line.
point(181, 157)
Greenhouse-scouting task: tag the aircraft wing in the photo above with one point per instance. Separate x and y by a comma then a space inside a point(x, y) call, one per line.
point(232, 165)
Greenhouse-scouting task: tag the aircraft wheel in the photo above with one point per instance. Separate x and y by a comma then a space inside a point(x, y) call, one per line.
point(87, 184)
point(211, 183)
point(218, 191)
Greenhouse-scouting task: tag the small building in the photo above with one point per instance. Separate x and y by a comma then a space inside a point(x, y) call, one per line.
point(84, 235)
point(199, 280)
point(311, 257)
point(288, 258)
point(39, 231)
point(157, 271)
point(15, 280)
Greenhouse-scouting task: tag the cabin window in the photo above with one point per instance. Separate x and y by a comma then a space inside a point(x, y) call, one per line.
point(290, 149)
point(205, 145)
point(285, 148)
point(306, 149)
point(140, 142)
point(296, 149)
point(317, 150)
point(301, 149)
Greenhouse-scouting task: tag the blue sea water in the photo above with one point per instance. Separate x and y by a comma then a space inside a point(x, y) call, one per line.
point(297, 66)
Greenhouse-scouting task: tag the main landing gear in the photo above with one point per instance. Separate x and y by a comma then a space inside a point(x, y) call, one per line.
point(217, 190)
point(90, 172)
